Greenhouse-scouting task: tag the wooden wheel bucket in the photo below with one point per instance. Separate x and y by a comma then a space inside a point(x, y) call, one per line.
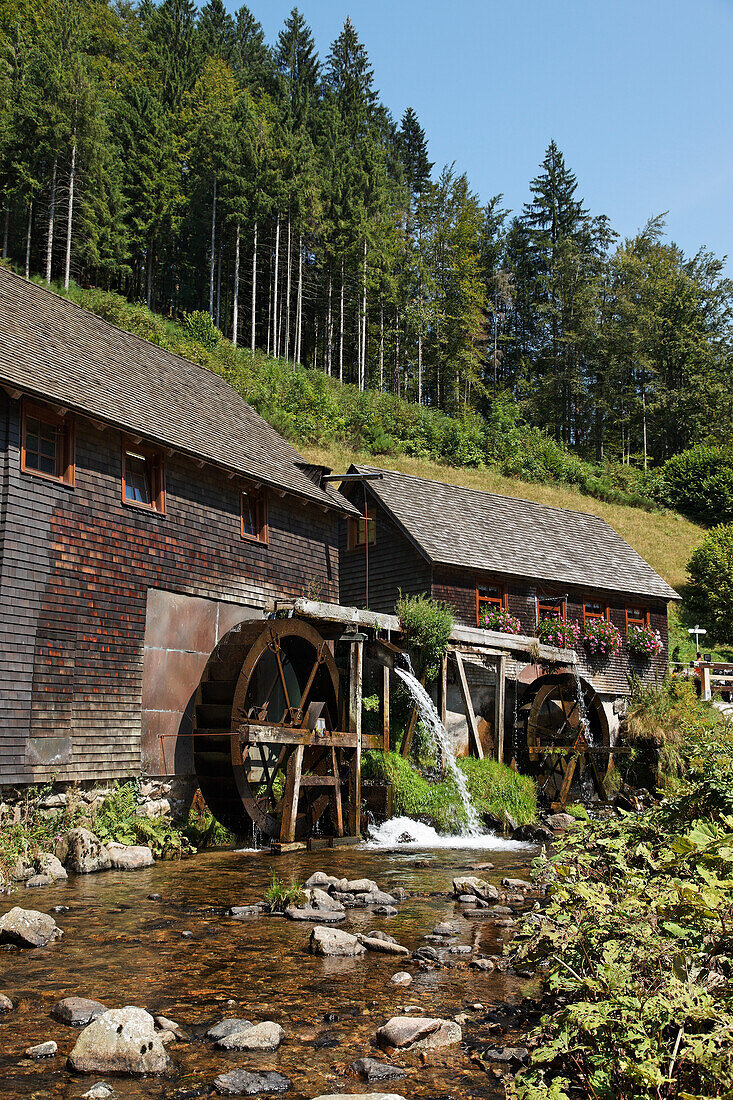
point(568, 739)
point(267, 749)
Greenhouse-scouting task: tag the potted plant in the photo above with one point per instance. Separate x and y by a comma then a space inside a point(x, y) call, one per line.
point(498, 618)
point(644, 643)
point(602, 638)
point(558, 633)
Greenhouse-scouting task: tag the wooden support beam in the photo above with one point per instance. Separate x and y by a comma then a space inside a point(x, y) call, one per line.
point(291, 796)
point(338, 809)
point(444, 688)
point(499, 707)
point(468, 707)
point(410, 731)
point(252, 733)
point(356, 668)
point(385, 708)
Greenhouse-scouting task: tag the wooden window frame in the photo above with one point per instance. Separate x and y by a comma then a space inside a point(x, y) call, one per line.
point(371, 528)
point(260, 495)
point(66, 455)
point(548, 603)
point(644, 622)
point(591, 616)
point(156, 460)
point(502, 600)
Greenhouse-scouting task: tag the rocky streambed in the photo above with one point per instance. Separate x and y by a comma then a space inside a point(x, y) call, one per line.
point(387, 977)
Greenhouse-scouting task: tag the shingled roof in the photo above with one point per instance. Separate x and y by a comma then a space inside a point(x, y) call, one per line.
point(54, 349)
point(472, 529)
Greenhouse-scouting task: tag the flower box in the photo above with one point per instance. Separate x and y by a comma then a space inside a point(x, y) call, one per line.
point(555, 632)
point(602, 638)
point(499, 619)
point(645, 643)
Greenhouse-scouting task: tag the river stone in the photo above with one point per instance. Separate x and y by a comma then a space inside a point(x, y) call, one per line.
point(266, 1036)
point(516, 884)
point(399, 894)
point(384, 947)
point(360, 1096)
point(243, 912)
point(86, 852)
point(560, 822)
point(361, 886)
point(38, 880)
point(319, 899)
point(49, 865)
point(28, 928)
point(506, 1054)
point(373, 1070)
point(476, 886)
point(401, 978)
point(482, 964)
point(227, 1027)
point(23, 869)
point(386, 911)
point(130, 857)
point(122, 1040)
point(444, 929)
point(331, 941)
point(243, 1082)
point(77, 1011)
point(164, 1024)
point(42, 1050)
point(379, 935)
point(318, 916)
point(100, 1091)
point(6, 1005)
point(418, 1033)
point(319, 879)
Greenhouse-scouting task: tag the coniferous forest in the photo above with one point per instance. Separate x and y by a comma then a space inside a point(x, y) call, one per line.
point(174, 155)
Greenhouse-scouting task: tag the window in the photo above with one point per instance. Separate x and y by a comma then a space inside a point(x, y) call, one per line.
point(363, 530)
point(636, 616)
point(489, 595)
point(551, 607)
point(143, 478)
point(594, 610)
point(47, 446)
point(254, 515)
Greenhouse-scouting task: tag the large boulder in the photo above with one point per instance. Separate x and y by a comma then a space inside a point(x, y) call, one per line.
point(319, 899)
point(28, 928)
point(77, 1011)
point(49, 865)
point(244, 1082)
point(361, 886)
point(319, 879)
point(86, 853)
point(122, 1040)
point(129, 857)
point(266, 1036)
point(332, 941)
point(418, 1033)
point(469, 884)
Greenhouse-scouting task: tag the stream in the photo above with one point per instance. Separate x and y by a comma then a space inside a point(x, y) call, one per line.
point(181, 956)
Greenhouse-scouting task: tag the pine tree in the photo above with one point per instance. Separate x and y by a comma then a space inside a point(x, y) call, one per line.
point(217, 32)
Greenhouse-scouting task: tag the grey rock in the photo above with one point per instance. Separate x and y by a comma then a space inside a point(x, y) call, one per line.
point(560, 822)
point(443, 928)
point(122, 1040)
point(130, 857)
point(538, 834)
point(361, 886)
point(401, 978)
point(418, 1033)
point(428, 953)
point(48, 864)
point(360, 1096)
point(317, 916)
point(476, 886)
point(399, 894)
point(460, 949)
point(376, 934)
point(100, 1091)
point(384, 947)
point(28, 928)
point(38, 880)
point(378, 897)
point(86, 853)
point(266, 1036)
point(77, 1011)
point(164, 1024)
point(482, 866)
point(319, 879)
point(372, 1070)
point(227, 1027)
point(331, 941)
point(467, 899)
point(506, 1054)
point(243, 1082)
point(6, 1005)
point(42, 1050)
point(483, 964)
point(244, 912)
point(516, 884)
point(386, 911)
point(23, 869)
point(319, 899)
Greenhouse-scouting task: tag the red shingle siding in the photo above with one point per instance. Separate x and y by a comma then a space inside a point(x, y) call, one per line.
point(76, 568)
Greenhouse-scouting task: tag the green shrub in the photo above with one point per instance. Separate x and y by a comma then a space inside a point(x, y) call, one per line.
point(199, 326)
point(204, 831)
point(117, 819)
point(279, 896)
point(427, 625)
point(709, 594)
point(699, 482)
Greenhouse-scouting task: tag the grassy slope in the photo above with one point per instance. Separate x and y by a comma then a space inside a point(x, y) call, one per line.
point(664, 539)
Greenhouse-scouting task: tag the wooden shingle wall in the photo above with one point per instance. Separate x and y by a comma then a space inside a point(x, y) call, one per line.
point(77, 565)
point(394, 564)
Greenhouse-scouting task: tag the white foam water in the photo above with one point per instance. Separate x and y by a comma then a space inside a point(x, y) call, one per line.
point(403, 832)
point(431, 718)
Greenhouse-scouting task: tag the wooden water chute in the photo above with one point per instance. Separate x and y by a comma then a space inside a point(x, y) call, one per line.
point(270, 750)
point(566, 746)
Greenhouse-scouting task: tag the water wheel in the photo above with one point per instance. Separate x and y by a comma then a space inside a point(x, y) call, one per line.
point(567, 737)
point(267, 749)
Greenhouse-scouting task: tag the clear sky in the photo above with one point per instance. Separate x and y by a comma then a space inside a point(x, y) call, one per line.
point(638, 94)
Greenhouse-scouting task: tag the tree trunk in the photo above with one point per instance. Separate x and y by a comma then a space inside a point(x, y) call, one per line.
point(363, 334)
point(287, 294)
point(6, 227)
point(235, 305)
point(357, 339)
point(397, 352)
point(275, 317)
point(218, 289)
point(299, 309)
point(149, 287)
point(341, 333)
point(329, 327)
point(381, 346)
point(254, 288)
point(28, 240)
point(51, 216)
point(643, 409)
point(213, 254)
point(69, 220)
point(269, 312)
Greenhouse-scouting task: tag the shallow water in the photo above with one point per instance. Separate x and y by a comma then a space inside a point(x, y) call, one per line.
point(122, 948)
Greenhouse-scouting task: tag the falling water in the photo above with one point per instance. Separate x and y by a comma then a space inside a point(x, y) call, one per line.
point(431, 718)
point(585, 727)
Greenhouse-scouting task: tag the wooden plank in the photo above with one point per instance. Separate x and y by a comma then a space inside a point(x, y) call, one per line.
point(569, 773)
point(410, 731)
point(468, 706)
point(356, 668)
point(254, 733)
point(291, 796)
point(444, 688)
point(317, 780)
point(499, 705)
point(385, 708)
point(338, 809)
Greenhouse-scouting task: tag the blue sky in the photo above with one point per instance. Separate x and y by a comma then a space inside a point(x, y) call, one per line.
point(638, 95)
